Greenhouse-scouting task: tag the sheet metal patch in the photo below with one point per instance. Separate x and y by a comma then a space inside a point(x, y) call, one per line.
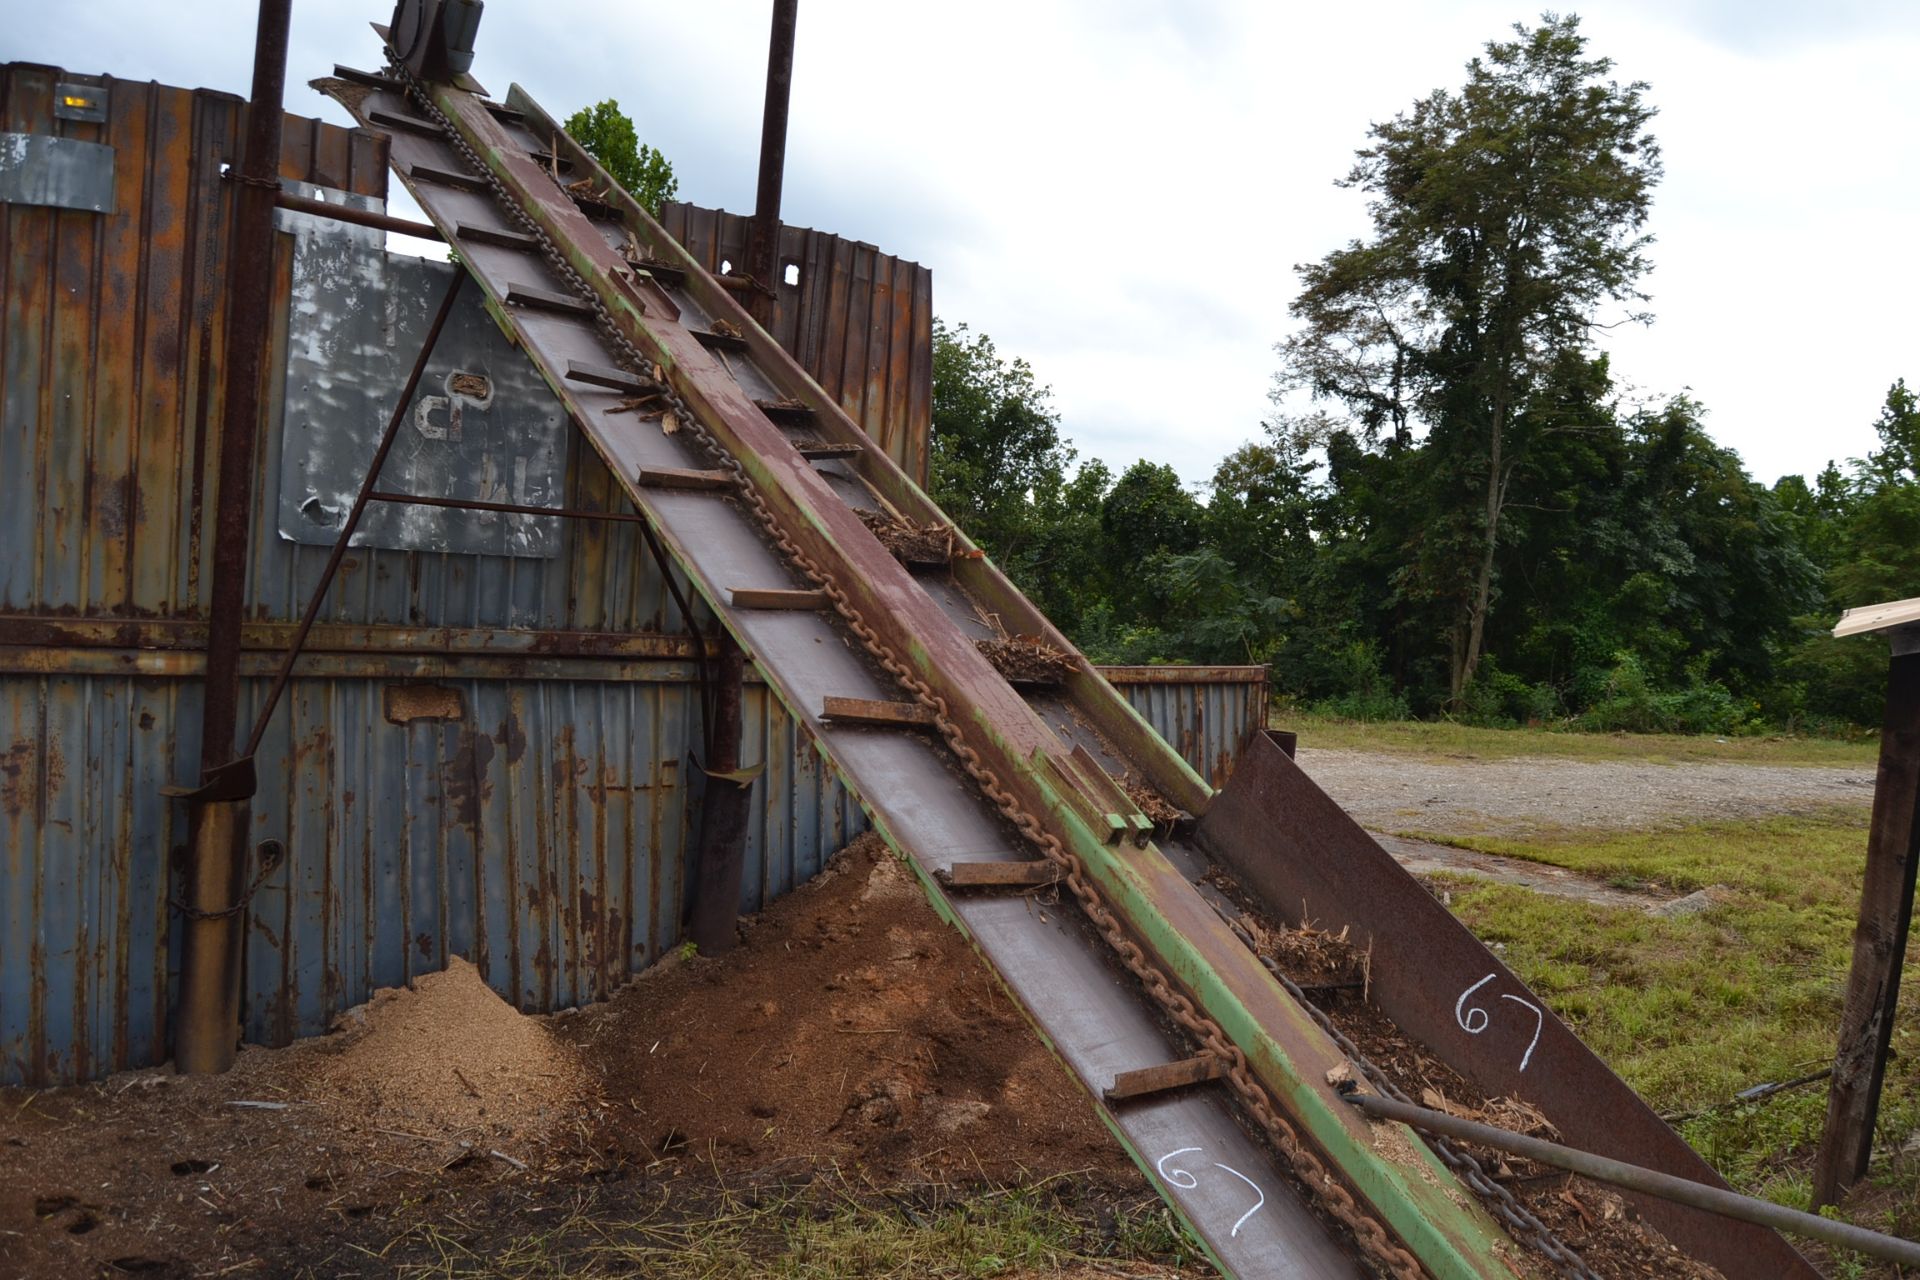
point(59, 173)
point(73, 100)
point(482, 426)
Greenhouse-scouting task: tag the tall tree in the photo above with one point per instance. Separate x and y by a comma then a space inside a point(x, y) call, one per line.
point(608, 135)
point(1897, 460)
point(999, 467)
point(996, 446)
point(1504, 216)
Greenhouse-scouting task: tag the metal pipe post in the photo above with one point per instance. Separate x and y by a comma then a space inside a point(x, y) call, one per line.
point(207, 1025)
point(763, 257)
point(359, 217)
point(1879, 937)
point(723, 809)
point(1698, 1195)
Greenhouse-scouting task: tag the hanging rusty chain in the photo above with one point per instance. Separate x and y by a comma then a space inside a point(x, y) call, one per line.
point(1368, 1232)
point(1520, 1221)
point(271, 854)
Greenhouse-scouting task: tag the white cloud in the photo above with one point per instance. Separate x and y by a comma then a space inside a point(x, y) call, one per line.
point(1118, 191)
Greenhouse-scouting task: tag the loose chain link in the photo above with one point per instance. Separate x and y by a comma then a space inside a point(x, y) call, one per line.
point(1519, 1221)
point(1307, 1166)
point(272, 853)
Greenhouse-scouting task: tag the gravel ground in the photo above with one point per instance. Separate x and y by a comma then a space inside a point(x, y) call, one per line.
point(1482, 797)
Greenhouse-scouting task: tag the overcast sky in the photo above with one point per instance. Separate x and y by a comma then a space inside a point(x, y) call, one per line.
point(1118, 190)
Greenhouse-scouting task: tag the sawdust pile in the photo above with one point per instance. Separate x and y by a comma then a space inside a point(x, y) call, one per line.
point(1026, 659)
point(450, 1059)
point(909, 542)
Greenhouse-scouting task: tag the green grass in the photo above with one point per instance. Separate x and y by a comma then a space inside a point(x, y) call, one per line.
point(1691, 1011)
point(1446, 738)
point(820, 1231)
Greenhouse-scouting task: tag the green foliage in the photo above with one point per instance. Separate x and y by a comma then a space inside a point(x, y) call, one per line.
point(1503, 216)
point(1499, 699)
point(1627, 701)
point(1475, 524)
point(1368, 695)
point(1863, 529)
point(608, 135)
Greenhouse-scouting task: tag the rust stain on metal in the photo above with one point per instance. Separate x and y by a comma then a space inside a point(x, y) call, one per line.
point(405, 703)
point(859, 321)
point(513, 738)
point(466, 781)
point(19, 780)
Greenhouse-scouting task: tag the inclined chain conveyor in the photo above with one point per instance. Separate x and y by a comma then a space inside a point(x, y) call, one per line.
point(755, 481)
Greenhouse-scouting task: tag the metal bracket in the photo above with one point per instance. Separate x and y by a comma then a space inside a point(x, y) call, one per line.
point(234, 780)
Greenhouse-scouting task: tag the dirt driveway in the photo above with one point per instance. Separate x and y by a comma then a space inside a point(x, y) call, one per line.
point(1446, 798)
point(1466, 797)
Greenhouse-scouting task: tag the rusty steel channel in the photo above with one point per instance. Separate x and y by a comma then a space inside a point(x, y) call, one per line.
point(1257, 1224)
point(207, 1023)
point(1443, 987)
point(1650, 1182)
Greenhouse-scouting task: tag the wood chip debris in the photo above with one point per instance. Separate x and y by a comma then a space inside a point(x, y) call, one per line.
point(1026, 659)
point(1149, 801)
point(909, 542)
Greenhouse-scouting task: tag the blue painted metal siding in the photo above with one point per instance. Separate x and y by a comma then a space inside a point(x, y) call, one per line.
point(1207, 714)
point(542, 836)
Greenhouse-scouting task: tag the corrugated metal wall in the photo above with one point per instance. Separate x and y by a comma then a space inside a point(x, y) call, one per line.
point(539, 826)
point(859, 320)
point(113, 335)
point(1207, 714)
point(541, 833)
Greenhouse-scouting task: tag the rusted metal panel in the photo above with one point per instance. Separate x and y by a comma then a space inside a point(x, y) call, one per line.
point(110, 367)
point(541, 833)
point(112, 339)
point(61, 173)
point(483, 425)
point(1286, 842)
point(1207, 714)
point(858, 320)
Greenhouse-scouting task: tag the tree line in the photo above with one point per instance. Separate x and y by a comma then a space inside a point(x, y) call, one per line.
point(1453, 509)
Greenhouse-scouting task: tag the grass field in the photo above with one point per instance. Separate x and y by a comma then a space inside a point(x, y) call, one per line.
point(827, 1229)
point(1693, 1010)
point(1445, 738)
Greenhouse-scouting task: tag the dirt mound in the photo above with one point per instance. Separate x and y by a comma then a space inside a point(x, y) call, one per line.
point(852, 1040)
point(449, 1058)
point(851, 1027)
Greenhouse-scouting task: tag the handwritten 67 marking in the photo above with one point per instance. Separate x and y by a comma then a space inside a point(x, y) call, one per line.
point(1185, 1180)
point(1464, 1014)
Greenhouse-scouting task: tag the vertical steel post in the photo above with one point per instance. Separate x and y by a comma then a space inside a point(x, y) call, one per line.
point(723, 809)
point(763, 255)
point(207, 1029)
point(1880, 936)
